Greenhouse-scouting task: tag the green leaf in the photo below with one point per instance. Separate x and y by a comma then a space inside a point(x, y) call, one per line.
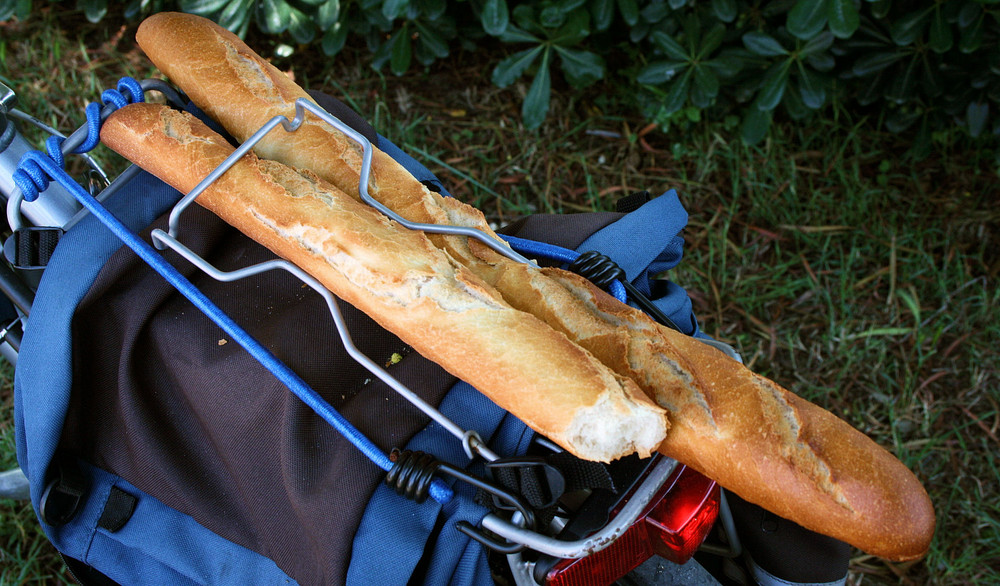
point(880, 8)
point(705, 81)
point(821, 62)
point(570, 5)
point(705, 86)
point(431, 40)
point(972, 37)
point(930, 80)
point(574, 30)
point(7, 9)
point(660, 72)
point(327, 14)
point(843, 17)
point(875, 62)
point(817, 44)
point(811, 88)
point(677, 4)
point(941, 37)
point(629, 10)
point(977, 114)
point(668, 45)
point(524, 16)
point(133, 9)
point(677, 94)
point(402, 51)
point(94, 10)
point(755, 126)
point(873, 90)
point(514, 34)
point(807, 18)
point(762, 44)
point(201, 7)
point(909, 27)
point(969, 13)
point(511, 68)
point(273, 16)
point(495, 17)
point(236, 16)
point(603, 12)
point(536, 103)
point(393, 9)
point(300, 26)
point(582, 68)
point(551, 17)
point(711, 41)
point(725, 10)
point(901, 118)
point(334, 39)
point(904, 83)
point(793, 103)
point(726, 65)
point(432, 9)
point(655, 12)
point(773, 87)
point(638, 32)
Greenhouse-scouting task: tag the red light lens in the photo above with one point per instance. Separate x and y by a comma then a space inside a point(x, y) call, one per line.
point(673, 526)
point(604, 567)
point(679, 523)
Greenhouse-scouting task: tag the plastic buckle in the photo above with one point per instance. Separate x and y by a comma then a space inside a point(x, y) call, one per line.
point(550, 480)
point(62, 496)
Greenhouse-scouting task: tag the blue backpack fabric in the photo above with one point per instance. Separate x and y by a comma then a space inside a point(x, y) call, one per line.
point(157, 543)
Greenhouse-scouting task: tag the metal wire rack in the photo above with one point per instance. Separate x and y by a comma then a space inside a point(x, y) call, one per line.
point(512, 530)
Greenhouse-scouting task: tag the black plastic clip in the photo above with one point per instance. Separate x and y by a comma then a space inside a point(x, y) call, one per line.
point(63, 495)
point(547, 482)
point(601, 271)
point(411, 476)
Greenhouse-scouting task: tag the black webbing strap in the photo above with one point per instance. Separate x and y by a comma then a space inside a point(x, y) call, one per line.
point(33, 247)
point(632, 202)
point(542, 481)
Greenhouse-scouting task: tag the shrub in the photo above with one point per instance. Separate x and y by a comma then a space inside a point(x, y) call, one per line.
point(929, 65)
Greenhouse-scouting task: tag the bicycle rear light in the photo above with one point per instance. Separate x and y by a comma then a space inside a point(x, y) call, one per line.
point(673, 526)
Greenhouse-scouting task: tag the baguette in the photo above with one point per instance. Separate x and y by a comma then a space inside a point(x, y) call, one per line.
point(405, 283)
point(753, 437)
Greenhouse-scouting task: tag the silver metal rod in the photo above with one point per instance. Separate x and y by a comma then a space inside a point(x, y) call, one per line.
point(166, 240)
point(365, 173)
point(599, 540)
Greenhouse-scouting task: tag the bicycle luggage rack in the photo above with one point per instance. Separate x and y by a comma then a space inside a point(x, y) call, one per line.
point(517, 533)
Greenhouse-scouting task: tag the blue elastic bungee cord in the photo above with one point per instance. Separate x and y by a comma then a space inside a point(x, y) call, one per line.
point(30, 179)
point(32, 176)
point(536, 249)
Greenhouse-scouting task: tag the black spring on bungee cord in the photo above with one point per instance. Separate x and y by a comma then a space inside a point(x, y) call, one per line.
point(412, 473)
point(411, 476)
point(597, 268)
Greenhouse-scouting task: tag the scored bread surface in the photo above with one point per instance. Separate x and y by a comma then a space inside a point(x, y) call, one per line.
point(752, 436)
point(399, 278)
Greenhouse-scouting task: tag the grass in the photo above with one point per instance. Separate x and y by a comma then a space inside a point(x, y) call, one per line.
point(848, 273)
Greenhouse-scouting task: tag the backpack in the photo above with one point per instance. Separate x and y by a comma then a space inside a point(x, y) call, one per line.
point(159, 451)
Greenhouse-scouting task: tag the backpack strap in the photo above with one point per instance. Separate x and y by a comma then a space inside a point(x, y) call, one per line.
point(104, 533)
point(646, 243)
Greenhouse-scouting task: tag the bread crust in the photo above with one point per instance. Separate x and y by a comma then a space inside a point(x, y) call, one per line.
point(405, 283)
point(753, 437)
